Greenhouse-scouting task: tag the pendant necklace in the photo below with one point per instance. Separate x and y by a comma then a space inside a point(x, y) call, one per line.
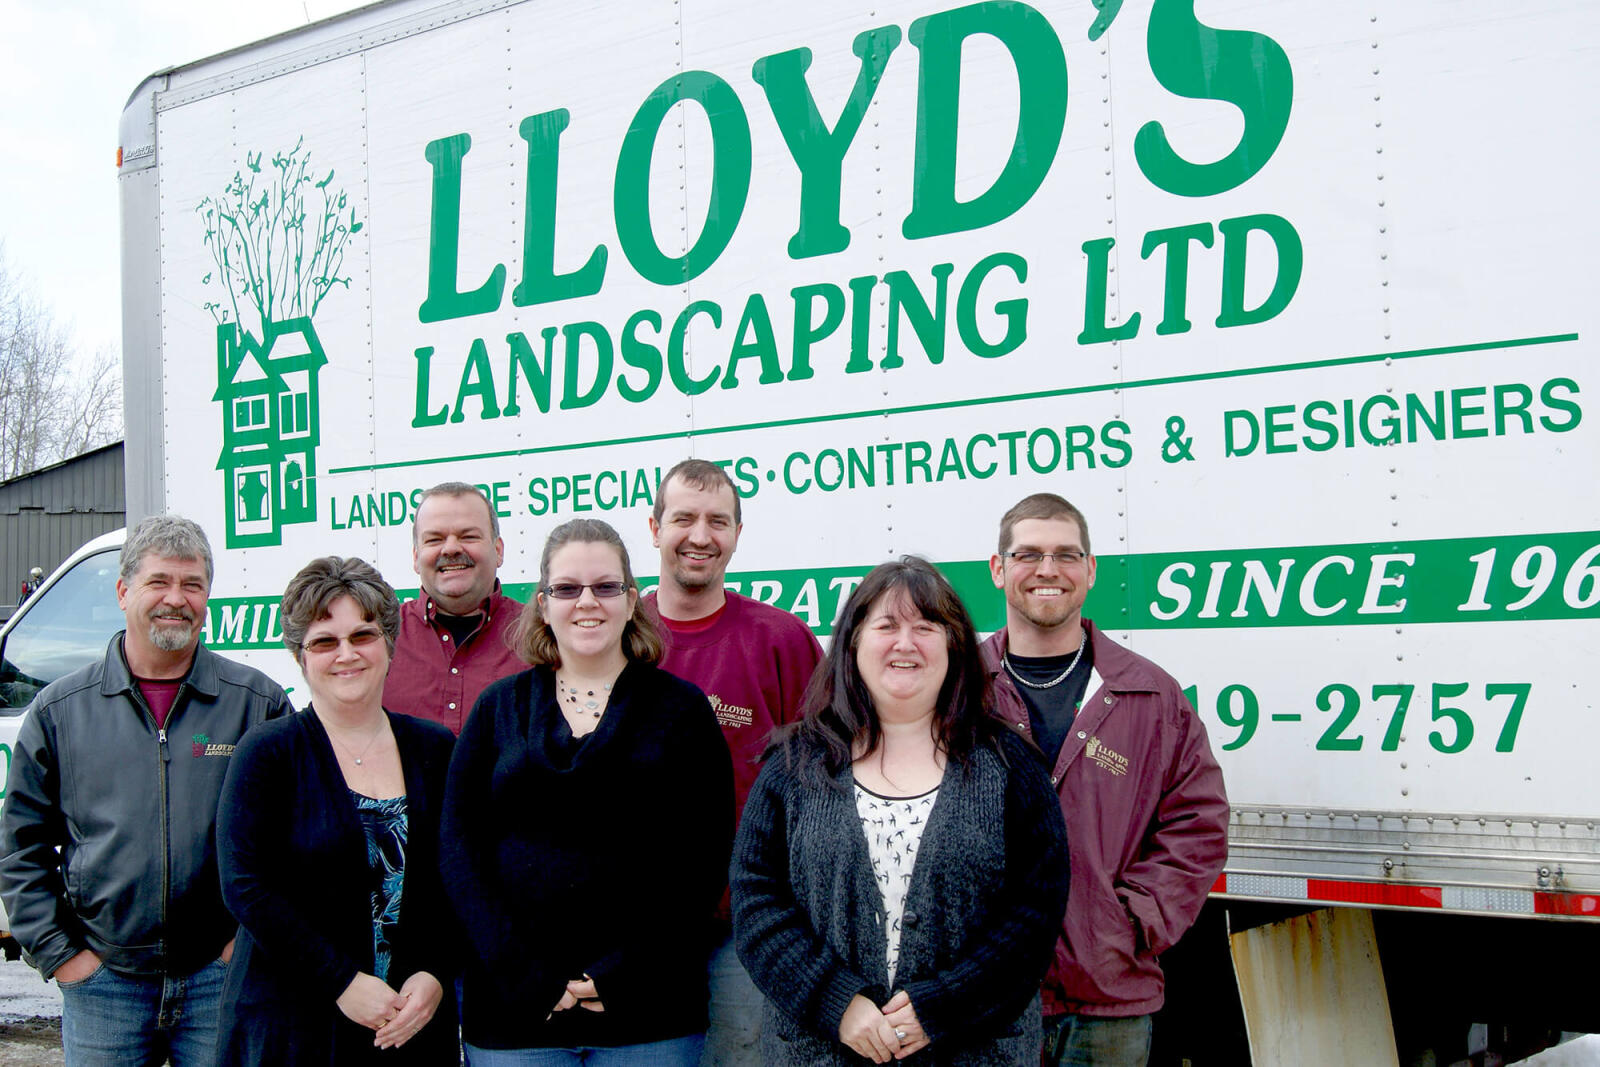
point(1058, 679)
point(350, 751)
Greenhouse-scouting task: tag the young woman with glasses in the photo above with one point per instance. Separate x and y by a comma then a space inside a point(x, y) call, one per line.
point(587, 826)
point(327, 838)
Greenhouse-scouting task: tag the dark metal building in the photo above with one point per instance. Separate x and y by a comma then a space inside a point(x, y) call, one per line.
point(48, 513)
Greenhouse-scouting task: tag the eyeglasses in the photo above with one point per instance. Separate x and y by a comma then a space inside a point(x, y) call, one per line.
point(324, 643)
point(1032, 559)
point(574, 590)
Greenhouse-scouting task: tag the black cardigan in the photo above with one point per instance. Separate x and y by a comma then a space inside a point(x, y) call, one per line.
point(982, 911)
point(295, 875)
point(608, 863)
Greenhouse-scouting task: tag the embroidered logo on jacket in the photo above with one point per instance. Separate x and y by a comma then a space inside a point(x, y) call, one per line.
point(201, 745)
point(1112, 760)
point(731, 714)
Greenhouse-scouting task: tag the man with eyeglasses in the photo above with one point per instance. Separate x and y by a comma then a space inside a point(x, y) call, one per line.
point(752, 660)
point(452, 639)
point(108, 859)
point(1147, 816)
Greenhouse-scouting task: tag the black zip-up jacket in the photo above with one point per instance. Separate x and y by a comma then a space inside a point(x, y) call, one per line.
point(133, 810)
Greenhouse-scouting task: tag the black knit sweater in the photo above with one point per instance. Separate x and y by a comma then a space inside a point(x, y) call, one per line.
point(982, 912)
point(604, 857)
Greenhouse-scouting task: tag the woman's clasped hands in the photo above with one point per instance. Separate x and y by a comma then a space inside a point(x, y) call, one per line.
point(580, 993)
point(396, 1016)
point(892, 1032)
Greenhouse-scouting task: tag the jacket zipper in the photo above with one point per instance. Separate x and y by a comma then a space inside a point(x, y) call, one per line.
point(166, 843)
point(166, 813)
point(161, 799)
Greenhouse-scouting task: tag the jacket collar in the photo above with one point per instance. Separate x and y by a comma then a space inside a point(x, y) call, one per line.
point(1122, 671)
point(118, 678)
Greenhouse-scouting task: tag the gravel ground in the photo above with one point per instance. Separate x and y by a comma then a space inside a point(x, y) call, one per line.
point(30, 1018)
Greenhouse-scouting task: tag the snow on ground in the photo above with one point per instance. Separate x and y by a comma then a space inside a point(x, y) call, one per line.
point(24, 995)
point(1580, 1052)
point(30, 1018)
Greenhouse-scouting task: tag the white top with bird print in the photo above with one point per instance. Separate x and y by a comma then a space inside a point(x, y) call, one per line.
point(893, 827)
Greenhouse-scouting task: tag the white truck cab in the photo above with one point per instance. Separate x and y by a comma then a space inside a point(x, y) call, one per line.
point(60, 628)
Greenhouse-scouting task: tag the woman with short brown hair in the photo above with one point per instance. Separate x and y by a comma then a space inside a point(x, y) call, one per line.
point(328, 844)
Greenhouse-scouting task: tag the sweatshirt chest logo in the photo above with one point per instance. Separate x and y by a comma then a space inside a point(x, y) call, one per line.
point(1102, 755)
point(201, 746)
point(731, 714)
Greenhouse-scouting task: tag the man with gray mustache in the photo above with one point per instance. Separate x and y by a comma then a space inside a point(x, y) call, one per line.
point(453, 636)
point(108, 859)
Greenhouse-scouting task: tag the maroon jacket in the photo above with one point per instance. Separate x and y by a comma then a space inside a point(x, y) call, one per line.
point(1147, 827)
point(431, 678)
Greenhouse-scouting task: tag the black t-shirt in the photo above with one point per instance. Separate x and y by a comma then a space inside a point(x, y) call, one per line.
point(460, 626)
point(1051, 709)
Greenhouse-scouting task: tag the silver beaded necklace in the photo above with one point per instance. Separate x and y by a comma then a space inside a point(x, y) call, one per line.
point(1052, 683)
point(592, 699)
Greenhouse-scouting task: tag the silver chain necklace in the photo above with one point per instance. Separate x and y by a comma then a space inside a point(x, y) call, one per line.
point(1052, 683)
point(352, 752)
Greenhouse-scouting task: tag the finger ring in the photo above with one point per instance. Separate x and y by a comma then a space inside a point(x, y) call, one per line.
point(900, 1034)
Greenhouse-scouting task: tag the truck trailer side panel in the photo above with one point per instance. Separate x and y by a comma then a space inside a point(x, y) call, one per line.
point(1293, 300)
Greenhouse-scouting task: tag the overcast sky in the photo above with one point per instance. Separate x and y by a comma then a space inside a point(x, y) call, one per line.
point(69, 68)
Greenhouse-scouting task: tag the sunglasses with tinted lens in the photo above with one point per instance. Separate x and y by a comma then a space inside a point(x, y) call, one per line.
point(328, 643)
point(573, 590)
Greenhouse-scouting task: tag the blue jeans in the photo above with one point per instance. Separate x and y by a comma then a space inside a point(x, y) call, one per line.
point(117, 1019)
point(734, 1039)
point(674, 1052)
point(1094, 1041)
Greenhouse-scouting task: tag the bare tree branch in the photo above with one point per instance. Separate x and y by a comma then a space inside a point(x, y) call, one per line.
point(94, 411)
point(51, 407)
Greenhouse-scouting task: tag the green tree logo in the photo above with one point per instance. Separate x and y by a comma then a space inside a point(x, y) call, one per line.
point(278, 238)
point(277, 235)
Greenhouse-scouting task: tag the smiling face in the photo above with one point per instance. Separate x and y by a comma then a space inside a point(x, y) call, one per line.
point(696, 534)
point(902, 657)
point(1044, 599)
point(165, 605)
point(349, 674)
point(588, 630)
point(454, 551)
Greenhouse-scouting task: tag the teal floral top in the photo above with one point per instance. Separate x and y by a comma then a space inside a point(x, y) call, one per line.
point(384, 822)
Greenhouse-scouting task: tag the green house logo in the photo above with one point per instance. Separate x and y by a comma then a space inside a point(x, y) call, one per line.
point(277, 236)
point(271, 426)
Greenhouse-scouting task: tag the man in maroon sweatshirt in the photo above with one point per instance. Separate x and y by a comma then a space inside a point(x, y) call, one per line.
point(752, 660)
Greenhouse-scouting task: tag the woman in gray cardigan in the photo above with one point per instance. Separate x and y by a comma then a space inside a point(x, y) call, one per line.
point(901, 869)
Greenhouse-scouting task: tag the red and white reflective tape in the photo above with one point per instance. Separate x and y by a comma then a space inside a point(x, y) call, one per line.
point(1408, 895)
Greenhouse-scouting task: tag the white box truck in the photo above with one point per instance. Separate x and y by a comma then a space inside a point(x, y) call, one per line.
point(1294, 300)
